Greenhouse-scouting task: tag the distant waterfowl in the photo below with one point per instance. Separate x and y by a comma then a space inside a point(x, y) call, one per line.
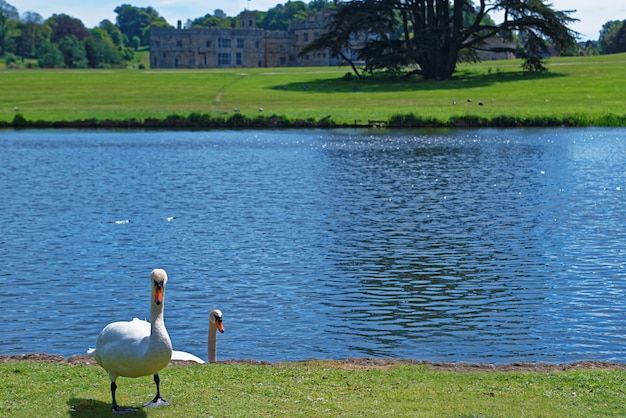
point(137, 348)
point(215, 324)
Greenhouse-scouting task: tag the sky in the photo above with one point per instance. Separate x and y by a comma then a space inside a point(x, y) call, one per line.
point(591, 13)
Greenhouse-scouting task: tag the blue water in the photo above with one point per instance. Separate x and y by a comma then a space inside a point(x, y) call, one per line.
point(461, 245)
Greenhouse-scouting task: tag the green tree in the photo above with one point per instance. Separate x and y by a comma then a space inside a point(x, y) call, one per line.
point(590, 47)
point(217, 20)
point(114, 32)
point(220, 14)
point(613, 37)
point(279, 17)
point(101, 51)
point(73, 52)
point(9, 11)
point(135, 42)
point(9, 18)
point(63, 26)
point(319, 5)
point(49, 55)
point(136, 21)
point(431, 34)
point(32, 33)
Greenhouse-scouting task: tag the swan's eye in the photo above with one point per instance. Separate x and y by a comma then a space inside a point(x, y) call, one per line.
point(218, 318)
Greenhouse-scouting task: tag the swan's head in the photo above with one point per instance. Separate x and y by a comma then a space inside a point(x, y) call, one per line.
point(159, 278)
point(215, 317)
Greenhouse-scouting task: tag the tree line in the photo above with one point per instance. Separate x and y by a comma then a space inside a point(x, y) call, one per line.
point(424, 36)
point(62, 41)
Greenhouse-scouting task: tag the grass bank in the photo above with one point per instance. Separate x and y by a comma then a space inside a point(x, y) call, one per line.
point(577, 91)
point(314, 389)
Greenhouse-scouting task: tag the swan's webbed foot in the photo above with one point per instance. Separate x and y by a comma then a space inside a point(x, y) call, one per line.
point(123, 410)
point(156, 402)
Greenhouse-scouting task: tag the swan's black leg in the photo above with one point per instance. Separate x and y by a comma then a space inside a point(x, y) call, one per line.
point(113, 389)
point(158, 400)
point(157, 382)
point(114, 406)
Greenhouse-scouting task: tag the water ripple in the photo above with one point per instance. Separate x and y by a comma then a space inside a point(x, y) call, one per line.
point(473, 245)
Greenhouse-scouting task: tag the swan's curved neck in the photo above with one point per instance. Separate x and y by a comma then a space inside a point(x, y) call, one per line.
point(212, 343)
point(156, 314)
point(158, 332)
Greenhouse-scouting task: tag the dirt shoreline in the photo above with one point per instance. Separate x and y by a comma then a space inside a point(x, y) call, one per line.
point(358, 363)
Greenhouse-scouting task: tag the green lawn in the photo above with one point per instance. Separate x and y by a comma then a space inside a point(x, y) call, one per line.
point(588, 87)
point(314, 389)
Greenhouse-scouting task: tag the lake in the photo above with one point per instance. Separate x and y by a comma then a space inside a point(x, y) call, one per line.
point(443, 245)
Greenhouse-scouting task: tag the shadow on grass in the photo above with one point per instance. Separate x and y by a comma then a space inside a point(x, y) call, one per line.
point(90, 408)
point(396, 83)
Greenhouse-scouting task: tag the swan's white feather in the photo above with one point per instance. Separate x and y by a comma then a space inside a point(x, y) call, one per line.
point(122, 349)
point(185, 356)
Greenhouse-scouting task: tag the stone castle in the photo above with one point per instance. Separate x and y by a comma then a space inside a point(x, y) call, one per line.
point(244, 47)
point(249, 46)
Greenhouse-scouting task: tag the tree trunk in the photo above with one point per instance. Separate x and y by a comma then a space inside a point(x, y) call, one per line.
point(434, 38)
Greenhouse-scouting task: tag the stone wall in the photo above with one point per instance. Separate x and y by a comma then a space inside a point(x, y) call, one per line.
point(206, 48)
point(244, 47)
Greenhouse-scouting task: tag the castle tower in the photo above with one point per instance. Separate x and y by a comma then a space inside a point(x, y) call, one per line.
point(247, 19)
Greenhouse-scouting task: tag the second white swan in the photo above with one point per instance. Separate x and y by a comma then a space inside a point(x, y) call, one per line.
point(215, 324)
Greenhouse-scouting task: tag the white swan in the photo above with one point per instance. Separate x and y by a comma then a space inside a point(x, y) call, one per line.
point(137, 348)
point(215, 324)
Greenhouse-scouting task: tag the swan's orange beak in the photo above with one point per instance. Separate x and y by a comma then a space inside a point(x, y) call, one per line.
point(220, 326)
point(158, 292)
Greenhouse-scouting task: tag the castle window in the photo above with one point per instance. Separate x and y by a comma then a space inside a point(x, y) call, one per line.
point(179, 44)
point(223, 43)
point(239, 42)
point(208, 44)
point(238, 59)
point(223, 59)
point(305, 35)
